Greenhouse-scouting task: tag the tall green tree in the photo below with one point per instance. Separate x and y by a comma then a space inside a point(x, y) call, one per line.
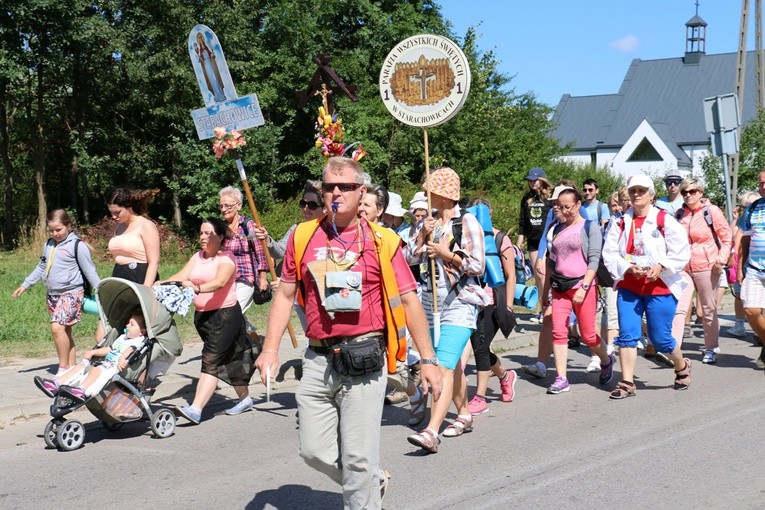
point(97, 94)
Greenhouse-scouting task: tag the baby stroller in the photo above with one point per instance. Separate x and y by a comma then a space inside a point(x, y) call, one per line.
point(123, 398)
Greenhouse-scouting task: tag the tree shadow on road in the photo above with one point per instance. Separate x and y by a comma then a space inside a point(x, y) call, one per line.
point(295, 497)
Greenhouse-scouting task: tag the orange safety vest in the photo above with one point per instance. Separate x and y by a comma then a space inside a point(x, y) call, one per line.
point(386, 243)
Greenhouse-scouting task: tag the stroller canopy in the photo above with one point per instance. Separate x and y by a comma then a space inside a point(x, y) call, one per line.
point(116, 298)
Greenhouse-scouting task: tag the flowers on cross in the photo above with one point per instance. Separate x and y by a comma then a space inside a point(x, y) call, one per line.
point(227, 141)
point(330, 133)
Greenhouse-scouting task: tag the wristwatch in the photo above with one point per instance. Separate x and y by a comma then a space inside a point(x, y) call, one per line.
point(586, 286)
point(430, 361)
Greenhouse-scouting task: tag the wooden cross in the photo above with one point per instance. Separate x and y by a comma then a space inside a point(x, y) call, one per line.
point(323, 76)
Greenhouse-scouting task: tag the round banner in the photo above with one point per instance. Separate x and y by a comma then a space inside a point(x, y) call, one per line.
point(424, 80)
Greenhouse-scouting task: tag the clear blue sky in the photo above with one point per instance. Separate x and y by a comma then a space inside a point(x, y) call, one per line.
point(584, 47)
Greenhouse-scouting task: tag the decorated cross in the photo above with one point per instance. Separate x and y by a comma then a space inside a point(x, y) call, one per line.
point(324, 75)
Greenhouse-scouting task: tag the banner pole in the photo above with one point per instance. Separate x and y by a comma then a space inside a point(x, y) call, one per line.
point(256, 217)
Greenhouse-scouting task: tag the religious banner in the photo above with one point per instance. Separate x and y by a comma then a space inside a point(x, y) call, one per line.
point(424, 80)
point(224, 116)
point(223, 107)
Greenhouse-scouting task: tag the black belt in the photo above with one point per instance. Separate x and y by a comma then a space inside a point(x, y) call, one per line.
point(324, 346)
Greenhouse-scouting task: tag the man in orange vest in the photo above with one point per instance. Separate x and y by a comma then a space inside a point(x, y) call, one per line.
point(359, 297)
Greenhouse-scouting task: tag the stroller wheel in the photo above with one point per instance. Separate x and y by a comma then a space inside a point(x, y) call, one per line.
point(112, 426)
point(163, 423)
point(70, 435)
point(49, 435)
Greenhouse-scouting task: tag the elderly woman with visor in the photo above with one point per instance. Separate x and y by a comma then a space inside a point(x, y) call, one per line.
point(645, 253)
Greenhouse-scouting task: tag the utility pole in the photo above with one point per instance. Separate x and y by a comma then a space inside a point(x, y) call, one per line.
point(741, 73)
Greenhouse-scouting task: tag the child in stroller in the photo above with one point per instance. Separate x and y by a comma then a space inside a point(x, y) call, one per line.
point(119, 397)
point(88, 377)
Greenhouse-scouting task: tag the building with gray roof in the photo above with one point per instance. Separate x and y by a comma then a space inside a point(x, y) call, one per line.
point(656, 121)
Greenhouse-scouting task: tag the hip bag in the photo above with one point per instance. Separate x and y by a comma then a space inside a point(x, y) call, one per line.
point(359, 358)
point(562, 283)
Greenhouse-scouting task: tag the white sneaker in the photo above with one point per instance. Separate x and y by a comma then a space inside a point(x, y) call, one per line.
point(536, 319)
point(738, 331)
point(538, 369)
point(594, 365)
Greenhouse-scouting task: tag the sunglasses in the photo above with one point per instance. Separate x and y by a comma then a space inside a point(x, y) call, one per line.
point(344, 187)
point(690, 192)
point(226, 207)
point(311, 205)
point(672, 182)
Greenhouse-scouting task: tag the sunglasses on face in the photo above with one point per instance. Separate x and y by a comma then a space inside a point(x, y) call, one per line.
point(672, 182)
point(690, 192)
point(589, 190)
point(226, 207)
point(344, 187)
point(311, 205)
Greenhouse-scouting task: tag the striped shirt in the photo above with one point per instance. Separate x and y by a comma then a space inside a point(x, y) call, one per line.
point(754, 228)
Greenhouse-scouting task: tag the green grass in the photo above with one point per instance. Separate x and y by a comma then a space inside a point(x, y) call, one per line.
point(25, 323)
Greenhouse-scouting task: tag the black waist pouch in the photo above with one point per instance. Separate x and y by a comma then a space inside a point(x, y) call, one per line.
point(359, 358)
point(563, 283)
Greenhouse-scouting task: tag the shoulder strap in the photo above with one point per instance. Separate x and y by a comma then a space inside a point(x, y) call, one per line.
point(600, 213)
point(76, 256)
point(457, 230)
point(679, 213)
point(251, 244)
point(243, 223)
point(708, 218)
point(85, 282)
point(498, 238)
point(300, 239)
point(661, 219)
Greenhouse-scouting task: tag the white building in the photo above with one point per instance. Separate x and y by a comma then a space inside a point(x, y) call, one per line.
point(656, 120)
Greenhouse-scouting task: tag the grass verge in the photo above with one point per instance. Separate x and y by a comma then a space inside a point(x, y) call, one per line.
point(25, 323)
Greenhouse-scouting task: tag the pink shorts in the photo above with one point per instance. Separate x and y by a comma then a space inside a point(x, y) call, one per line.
point(66, 308)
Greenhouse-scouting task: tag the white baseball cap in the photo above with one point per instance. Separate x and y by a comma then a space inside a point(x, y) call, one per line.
point(641, 180)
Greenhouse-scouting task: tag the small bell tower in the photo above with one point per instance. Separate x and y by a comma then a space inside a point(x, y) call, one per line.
point(695, 38)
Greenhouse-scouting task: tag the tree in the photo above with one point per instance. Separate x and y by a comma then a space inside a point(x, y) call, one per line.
point(98, 94)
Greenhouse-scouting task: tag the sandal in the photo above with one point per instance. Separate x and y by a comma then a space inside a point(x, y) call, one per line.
point(683, 377)
point(459, 427)
point(623, 390)
point(417, 410)
point(426, 440)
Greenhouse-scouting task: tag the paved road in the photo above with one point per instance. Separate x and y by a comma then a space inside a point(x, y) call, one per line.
point(701, 448)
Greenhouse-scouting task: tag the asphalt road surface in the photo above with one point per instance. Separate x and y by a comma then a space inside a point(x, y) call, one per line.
point(701, 448)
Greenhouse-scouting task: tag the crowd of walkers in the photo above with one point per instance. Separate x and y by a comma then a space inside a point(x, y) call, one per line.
point(394, 300)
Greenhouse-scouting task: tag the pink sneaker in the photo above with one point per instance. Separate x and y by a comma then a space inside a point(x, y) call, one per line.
point(508, 385)
point(47, 386)
point(477, 405)
point(77, 392)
